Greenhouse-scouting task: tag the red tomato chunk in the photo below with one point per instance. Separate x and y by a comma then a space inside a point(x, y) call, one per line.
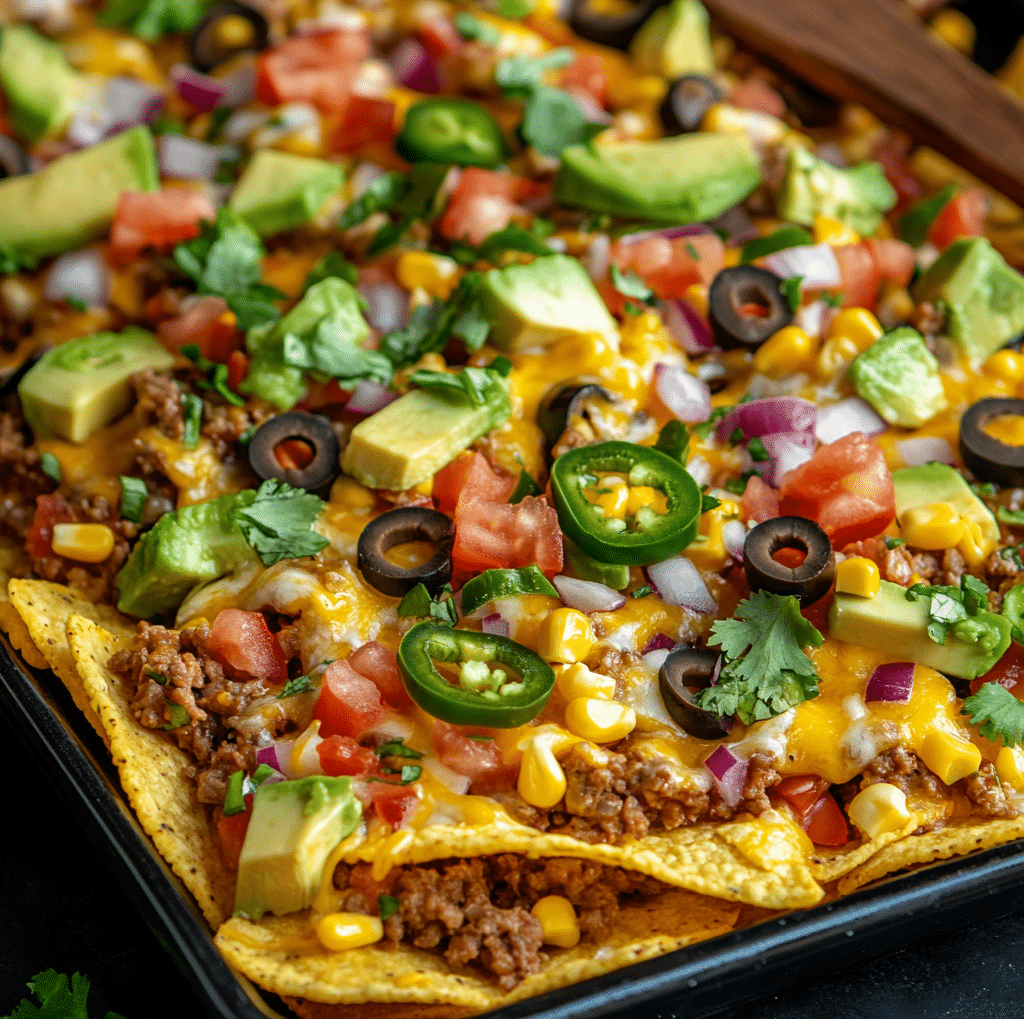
point(477, 758)
point(379, 663)
point(349, 704)
point(242, 641)
point(341, 755)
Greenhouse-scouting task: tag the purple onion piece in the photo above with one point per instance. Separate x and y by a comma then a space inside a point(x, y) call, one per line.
point(658, 642)
point(916, 451)
point(892, 682)
point(587, 595)
point(414, 68)
point(268, 756)
point(678, 231)
point(687, 397)
point(78, 275)
point(496, 625)
point(368, 398)
point(678, 581)
point(730, 774)
point(783, 415)
point(846, 417)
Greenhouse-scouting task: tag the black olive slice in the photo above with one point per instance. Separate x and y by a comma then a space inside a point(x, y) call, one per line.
point(987, 458)
point(814, 109)
point(736, 287)
point(684, 671)
point(808, 581)
point(13, 159)
point(226, 29)
point(315, 431)
point(687, 101)
point(402, 526)
point(565, 400)
point(615, 30)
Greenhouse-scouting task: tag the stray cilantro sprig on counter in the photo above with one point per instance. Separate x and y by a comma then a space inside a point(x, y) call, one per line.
point(279, 522)
point(58, 998)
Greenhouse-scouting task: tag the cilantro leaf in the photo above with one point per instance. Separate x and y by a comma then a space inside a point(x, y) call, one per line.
point(179, 716)
point(418, 604)
point(410, 773)
point(474, 382)
point(380, 195)
point(916, 222)
point(708, 501)
point(396, 748)
point(471, 27)
point(294, 686)
point(388, 906)
point(514, 238)
point(331, 264)
point(332, 348)
point(630, 285)
point(58, 999)
point(1010, 517)
point(955, 608)
point(674, 440)
point(517, 75)
point(150, 19)
point(791, 289)
point(526, 486)
point(279, 522)
point(50, 466)
point(997, 714)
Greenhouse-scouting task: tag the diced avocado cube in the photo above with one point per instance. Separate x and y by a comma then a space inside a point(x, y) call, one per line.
point(675, 41)
point(934, 482)
point(72, 201)
point(899, 377)
point(982, 296)
point(532, 305)
point(416, 435)
point(678, 180)
point(82, 385)
point(890, 623)
point(858, 196)
point(42, 89)
point(293, 829)
point(278, 191)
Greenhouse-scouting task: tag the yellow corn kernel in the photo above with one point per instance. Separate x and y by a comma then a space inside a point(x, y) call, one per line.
point(600, 721)
point(1010, 766)
point(233, 32)
point(697, 298)
point(731, 256)
point(1005, 365)
point(82, 542)
point(419, 296)
point(835, 356)
point(645, 497)
point(950, 757)
point(955, 29)
point(858, 576)
point(708, 551)
point(346, 931)
point(541, 779)
point(612, 499)
point(834, 232)
point(577, 680)
point(879, 809)
point(565, 635)
point(558, 922)
point(353, 496)
point(437, 275)
point(857, 324)
point(932, 527)
point(974, 545)
point(786, 351)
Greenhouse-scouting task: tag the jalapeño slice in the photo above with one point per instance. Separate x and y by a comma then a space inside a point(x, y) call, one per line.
point(483, 696)
point(650, 537)
point(451, 131)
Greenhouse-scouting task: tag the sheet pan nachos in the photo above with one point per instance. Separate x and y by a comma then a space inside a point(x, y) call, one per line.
point(514, 497)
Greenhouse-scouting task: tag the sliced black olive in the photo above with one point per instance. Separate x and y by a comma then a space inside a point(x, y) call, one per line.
point(565, 400)
point(315, 432)
point(402, 526)
point(13, 159)
point(226, 29)
point(987, 458)
point(737, 287)
point(588, 21)
point(685, 671)
point(813, 108)
point(808, 581)
point(687, 101)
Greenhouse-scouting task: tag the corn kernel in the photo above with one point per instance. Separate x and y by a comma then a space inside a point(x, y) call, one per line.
point(233, 32)
point(955, 29)
point(858, 576)
point(950, 757)
point(696, 296)
point(708, 551)
point(835, 356)
point(600, 721)
point(786, 351)
point(437, 275)
point(857, 324)
point(346, 931)
point(834, 232)
point(1010, 766)
point(565, 635)
point(419, 296)
point(1005, 365)
point(645, 497)
point(577, 680)
point(932, 527)
point(878, 809)
point(974, 545)
point(541, 779)
point(82, 542)
point(612, 500)
point(558, 922)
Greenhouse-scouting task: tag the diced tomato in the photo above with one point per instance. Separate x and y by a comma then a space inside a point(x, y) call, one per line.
point(669, 266)
point(379, 663)
point(317, 68)
point(146, 220)
point(845, 487)
point(238, 369)
point(496, 535)
point(206, 322)
point(478, 759)
point(231, 829)
point(824, 823)
point(860, 275)
point(440, 38)
point(469, 473)
point(349, 704)
point(50, 509)
point(801, 792)
point(817, 613)
point(588, 73)
point(361, 879)
point(243, 641)
point(963, 215)
point(894, 259)
point(760, 501)
point(1008, 672)
point(891, 153)
point(341, 755)
point(367, 120)
point(394, 804)
point(755, 93)
point(484, 202)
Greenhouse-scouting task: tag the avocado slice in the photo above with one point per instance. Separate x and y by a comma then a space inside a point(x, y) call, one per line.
point(675, 41)
point(278, 191)
point(858, 196)
point(293, 829)
point(417, 434)
point(898, 627)
point(678, 180)
point(82, 385)
point(899, 377)
point(42, 89)
point(933, 482)
point(72, 201)
point(532, 305)
point(983, 297)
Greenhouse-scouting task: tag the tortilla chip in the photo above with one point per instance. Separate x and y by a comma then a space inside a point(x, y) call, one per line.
point(45, 609)
point(830, 865)
point(310, 1010)
point(17, 632)
point(151, 768)
point(275, 954)
point(943, 843)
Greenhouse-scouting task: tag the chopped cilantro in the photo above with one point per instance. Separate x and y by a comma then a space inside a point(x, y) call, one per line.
point(1013, 609)
point(168, 126)
point(835, 301)
point(985, 490)
point(471, 27)
point(331, 264)
point(736, 436)
point(954, 608)
point(525, 487)
point(279, 522)
point(630, 285)
point(151, 19)
point(218, 118)
point(332, 347)
point(179, 716)
point(916, 222)
point(157, 677)
point(294, 686)
point(234, 798)
point(380, 195)
point(58, 999)
point(388, 905)
point(997, 714)
point(791, 289)
point(708, 501)
point(894, 542)
point(216, 375)
point(719, 412)
point(786, 237)
point(474, 382)
point(631, 308)
point(1010, 517)
point(396, 748)
point(514, 238)
point(1012, 554)
point(515, 10)
point(645, 591)
point(674, 440)
point(50, 466)
point(418, 604)
point(757, 450)
point(192, 409)
point(691, 251)
point(75, 303)
point(410, 773)
point(133, 498)
point(738, 484)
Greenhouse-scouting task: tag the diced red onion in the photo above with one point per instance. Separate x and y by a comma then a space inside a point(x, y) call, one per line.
point(78, 275)
point(189, 159)
point(278, 755)
point(916, 451)
point(414, 68)
point(782, 415)
point(587, 595)
point(687, 327)
point(204, 92)
point(730, 774)
point(845, 417)
point(811, 318)
point(659, 642)
point(272, 778)
point(590, 108)
point(700, 469)
point(785, 452)
point(832, 153)
point(679, 582)
point(687, 397)
point(368, 398)
point(388, 306)
point(677, 231)
point(122, 103)
point(734, 533)
point(497, 625)
point(892, 682)
point(597, 258)
point(737, 225)
point(816, 264)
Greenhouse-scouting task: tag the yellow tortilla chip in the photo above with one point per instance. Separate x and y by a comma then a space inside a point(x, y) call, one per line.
point(828, 866)
point(151, 768)
point(17, 632)
point(275, 953)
